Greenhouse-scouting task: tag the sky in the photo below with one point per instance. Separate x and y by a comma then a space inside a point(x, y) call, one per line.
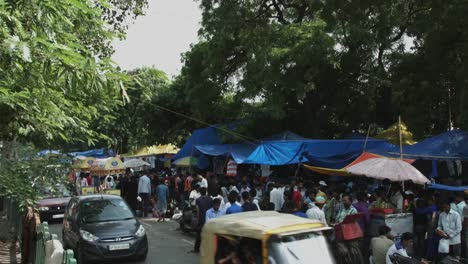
point(160, 37)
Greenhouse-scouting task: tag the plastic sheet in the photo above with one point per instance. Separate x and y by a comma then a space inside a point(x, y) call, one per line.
point(399, 223)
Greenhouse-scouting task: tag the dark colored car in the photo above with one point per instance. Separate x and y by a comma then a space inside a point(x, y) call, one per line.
point(53, 204)
point(103, 228)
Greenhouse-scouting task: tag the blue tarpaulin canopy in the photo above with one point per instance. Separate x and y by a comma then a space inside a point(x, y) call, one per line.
point(96, 153)
point(291, 152)
point(204, 136)
point(238, 152)
point(447, 187)
point(452, 145)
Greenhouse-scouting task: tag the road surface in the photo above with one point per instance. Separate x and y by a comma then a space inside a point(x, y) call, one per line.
point(166, 244)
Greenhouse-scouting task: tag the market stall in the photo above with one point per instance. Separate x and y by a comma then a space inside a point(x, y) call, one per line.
point(82, 163)
point(397, 171)
point(103, 167)
point(99, 169)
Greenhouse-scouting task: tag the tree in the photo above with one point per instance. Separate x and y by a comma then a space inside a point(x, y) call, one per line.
point(57, 76)
point(130, 128)
point(322, 68)
point(53, 84)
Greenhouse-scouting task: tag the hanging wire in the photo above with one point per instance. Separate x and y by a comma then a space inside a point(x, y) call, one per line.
point(245, 138)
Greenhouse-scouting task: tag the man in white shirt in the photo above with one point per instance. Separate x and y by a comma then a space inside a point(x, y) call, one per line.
point(203, 182)
point(315, 210)
point(450, 228)
point(194, 194)
point(254, 199)
point(400, 247)
point(277, 197)
point(144, 191)
point(458, 205)
point(397, 198)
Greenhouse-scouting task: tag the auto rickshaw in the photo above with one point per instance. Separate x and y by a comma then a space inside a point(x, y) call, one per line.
point(265, 237)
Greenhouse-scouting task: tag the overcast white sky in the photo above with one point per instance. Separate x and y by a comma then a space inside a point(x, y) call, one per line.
point(159, 38)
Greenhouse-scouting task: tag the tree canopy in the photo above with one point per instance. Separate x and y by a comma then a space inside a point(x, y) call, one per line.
point(323, 68)
point(57, 78)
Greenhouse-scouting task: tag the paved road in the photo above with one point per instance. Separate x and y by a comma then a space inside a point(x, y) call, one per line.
point(166, 244)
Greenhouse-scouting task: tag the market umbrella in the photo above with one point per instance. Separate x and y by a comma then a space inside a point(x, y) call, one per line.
point(385, 168)
point(186, 162)
point(343, 172)
point(135, 163)
point(107, 166)
point(81, 162)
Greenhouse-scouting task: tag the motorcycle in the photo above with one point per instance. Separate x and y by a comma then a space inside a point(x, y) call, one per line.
point(187, 218)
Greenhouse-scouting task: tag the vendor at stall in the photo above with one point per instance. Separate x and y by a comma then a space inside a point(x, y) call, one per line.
point(381, 201)
point(347, 209)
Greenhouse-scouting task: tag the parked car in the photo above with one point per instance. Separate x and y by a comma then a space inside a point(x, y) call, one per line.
point(103, 228)
point(54, 202)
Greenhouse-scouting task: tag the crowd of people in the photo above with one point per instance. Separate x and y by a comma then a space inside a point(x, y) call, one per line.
point(438, 218)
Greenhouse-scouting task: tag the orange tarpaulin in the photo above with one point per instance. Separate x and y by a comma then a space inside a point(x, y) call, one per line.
point(343, 172)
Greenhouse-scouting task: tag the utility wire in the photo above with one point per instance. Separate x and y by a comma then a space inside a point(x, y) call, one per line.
point(246, 138)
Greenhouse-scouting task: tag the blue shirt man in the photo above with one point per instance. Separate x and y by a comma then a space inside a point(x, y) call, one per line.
point(234, 208)
point(214, 211)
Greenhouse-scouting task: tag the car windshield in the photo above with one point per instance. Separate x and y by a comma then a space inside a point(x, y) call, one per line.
point(299, 248)
point(105, 210)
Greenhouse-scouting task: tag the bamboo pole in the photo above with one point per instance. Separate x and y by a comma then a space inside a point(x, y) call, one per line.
point(401, 145)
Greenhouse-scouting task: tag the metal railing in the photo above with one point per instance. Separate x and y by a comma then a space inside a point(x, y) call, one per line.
point(68, 257)
point(15, 219)
point(44, 235)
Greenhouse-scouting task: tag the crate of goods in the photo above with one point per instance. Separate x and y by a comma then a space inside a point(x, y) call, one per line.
point(349, 229)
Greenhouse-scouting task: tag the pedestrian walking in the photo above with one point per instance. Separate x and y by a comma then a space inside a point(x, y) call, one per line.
point(449, 228)
point(204, 203)
point(315, 210)
point(162, 195)
point(144, 192)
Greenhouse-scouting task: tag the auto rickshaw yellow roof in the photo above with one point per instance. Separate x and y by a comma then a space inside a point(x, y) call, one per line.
point(257, 224)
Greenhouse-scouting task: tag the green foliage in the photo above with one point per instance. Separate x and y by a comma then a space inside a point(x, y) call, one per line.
point(53, 82)
point(57, 78)
point(23, 179)
point(323, 68)
point(132, 123)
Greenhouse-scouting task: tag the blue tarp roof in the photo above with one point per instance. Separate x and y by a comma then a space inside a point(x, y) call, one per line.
point(291, 152)
point(443, 187)
point(204, 136)
point(238, 152)
point(96, 153)
point(452, 145)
